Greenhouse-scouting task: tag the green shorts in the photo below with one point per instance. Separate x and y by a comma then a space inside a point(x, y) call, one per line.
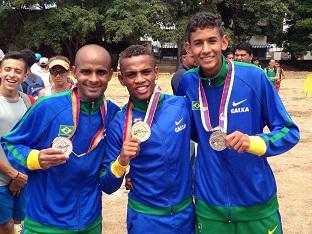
point(268, 225)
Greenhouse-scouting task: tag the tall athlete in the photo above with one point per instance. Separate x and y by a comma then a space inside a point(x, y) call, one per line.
point(235, 189)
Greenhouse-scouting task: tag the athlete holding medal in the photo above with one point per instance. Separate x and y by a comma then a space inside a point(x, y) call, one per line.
point(59, 144)
point(235, 190)
point(152, 133)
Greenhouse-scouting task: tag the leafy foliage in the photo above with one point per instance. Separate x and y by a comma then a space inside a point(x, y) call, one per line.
point(298, 37)
point(68, 24)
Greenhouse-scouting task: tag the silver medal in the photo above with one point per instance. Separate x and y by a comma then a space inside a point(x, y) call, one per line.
point(217, 140)
point(63, 144)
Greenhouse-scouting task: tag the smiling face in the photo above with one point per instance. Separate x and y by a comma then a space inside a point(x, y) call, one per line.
point(92, 71)
point(138, 74)
point(206, 45)
point(12, 72)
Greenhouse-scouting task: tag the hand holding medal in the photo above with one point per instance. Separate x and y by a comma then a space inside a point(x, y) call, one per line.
point(51, 157)
point(130, 149)
point(238, 141)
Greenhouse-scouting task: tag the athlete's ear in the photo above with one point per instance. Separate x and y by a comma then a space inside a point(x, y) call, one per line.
point(187, 47)
point(225, 42)
point(120, 78)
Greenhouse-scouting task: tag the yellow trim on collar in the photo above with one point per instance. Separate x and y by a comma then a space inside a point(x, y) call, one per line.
point(117, 169)
point(33, 160)
point(257, 146)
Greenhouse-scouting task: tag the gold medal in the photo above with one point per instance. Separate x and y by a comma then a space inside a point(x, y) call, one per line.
point(64, 144)
point(141, 130)
point(217, 140)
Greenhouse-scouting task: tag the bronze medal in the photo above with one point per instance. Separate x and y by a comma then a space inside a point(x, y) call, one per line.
point(141, 130)
point(217, 140)
point(64, 144)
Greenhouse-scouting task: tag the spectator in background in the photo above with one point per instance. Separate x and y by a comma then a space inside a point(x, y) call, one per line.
point(59, 70)
point(33, 83)
point(229, 54)
point(243, 52)
point(43, 71)
point(275, 73)
point(13, 105)
point(35, 66)
point(280, 75)
point(256, 62)
point(186, 62)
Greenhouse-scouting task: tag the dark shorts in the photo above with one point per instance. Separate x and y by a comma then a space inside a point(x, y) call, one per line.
point(182, 222)
point(11, 207)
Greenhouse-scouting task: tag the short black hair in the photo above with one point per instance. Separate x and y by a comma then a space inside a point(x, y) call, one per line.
point(244, 46)
point(202, 20)
point(30, 56)
point(228, 51)
point(135, 50)
point(17, 56)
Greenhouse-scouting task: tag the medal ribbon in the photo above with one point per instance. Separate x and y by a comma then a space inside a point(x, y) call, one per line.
point(149, 116)
point(152, 106)
point(76, 110)
point(128, 121)
point(226, 94)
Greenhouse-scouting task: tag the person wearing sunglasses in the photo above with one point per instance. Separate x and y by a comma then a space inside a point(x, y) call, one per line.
point(59, 71)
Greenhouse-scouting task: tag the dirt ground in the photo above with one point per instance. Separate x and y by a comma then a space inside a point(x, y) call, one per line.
point(293, 170)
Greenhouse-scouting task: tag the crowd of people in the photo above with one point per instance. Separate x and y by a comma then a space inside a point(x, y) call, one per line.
point(63, 143)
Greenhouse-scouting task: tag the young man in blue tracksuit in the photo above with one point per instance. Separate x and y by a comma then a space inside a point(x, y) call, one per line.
point(235, 189)
point(63, 194)
point(160, 167)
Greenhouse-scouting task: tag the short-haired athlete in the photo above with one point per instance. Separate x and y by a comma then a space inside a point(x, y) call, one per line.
point(235, 189)
point(152, 133)
point(59, 144)
point(13, 105)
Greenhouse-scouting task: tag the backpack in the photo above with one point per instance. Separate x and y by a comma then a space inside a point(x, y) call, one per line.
point(32, 85)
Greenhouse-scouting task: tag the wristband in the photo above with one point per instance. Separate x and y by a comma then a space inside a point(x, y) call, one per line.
point(257, 145)
point(117, 169)
point(33, 160)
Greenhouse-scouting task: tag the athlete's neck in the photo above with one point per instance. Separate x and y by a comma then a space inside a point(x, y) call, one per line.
point(10, 94)
point(219, 78)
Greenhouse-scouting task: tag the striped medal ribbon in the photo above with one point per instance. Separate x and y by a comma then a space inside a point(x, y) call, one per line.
point(76, 110)
point(218, 134)
point(142, 129)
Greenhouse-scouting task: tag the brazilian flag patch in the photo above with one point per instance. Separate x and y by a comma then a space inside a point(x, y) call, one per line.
point(195, 105)
point(65, 130)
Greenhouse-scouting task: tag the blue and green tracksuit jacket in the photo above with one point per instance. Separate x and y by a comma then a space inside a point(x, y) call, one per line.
point(67, 196)
point(161, 172)
point(230, 186)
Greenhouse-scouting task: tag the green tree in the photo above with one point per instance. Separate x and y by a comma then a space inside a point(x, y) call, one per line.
point(60, 27)
point(298, 37)
point(254, 17)
point(130, 20)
